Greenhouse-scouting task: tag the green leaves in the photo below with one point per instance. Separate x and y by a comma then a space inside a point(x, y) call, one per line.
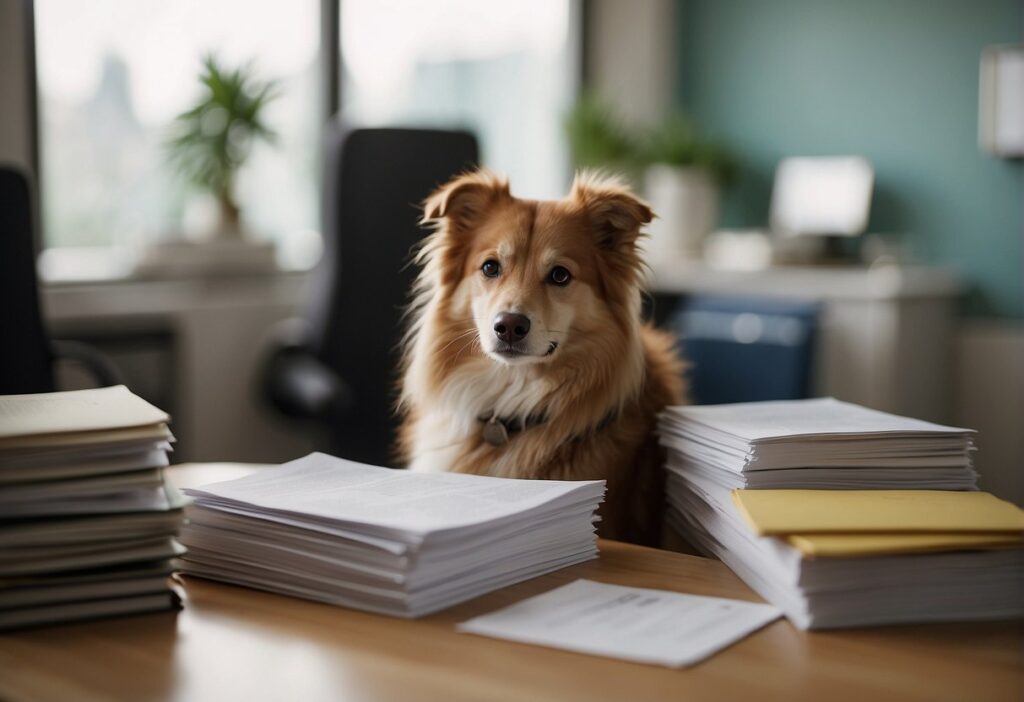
point(210, 141)
point(597, 138)
point(674, 142)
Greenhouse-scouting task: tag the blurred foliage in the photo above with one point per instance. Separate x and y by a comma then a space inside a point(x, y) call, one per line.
point(674, 142)
point(211, 141)
point(598, 138)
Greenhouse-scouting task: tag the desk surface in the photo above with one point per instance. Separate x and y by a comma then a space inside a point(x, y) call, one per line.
point(234, 643)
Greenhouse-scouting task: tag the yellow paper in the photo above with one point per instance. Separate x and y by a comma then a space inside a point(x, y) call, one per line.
point(787, 512)
point(852, 545)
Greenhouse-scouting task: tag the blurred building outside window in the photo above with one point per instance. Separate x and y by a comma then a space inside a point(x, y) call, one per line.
point(507, 71)
point(112, 75)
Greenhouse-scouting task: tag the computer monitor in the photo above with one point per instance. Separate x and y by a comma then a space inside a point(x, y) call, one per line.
point(827, 196)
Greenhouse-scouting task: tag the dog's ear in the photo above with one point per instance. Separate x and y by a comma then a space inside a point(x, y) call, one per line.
point(614, 211)
point(461, 200)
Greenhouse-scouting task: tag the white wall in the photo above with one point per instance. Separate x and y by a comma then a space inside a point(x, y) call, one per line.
point(15, 60)
point(632, 54)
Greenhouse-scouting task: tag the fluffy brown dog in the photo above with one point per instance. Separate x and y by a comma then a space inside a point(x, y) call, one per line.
point(526, 356)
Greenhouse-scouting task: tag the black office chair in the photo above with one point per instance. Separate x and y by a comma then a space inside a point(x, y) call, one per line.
point(336, 366)
point(27, 354)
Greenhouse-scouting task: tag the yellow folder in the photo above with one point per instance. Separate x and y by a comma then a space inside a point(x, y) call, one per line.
point(803, 512)
point(855, 545)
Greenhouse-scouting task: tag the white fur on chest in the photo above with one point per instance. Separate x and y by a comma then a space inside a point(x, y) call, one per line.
point(436, 443)
point(451, 417)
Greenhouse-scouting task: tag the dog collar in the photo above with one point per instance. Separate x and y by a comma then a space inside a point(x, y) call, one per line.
point(498, 430)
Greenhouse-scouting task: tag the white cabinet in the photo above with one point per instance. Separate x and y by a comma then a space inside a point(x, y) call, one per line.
point(195, 346)
point(886, 334)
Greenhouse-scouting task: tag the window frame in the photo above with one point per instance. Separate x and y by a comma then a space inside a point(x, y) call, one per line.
point(330, 85)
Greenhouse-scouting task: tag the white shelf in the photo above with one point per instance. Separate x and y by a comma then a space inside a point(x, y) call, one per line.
point(885, 332)
point(218, 330)
point(882, 283)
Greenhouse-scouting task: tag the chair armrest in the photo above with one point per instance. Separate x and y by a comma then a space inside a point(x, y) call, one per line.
point(101, 367)
point(296, 382)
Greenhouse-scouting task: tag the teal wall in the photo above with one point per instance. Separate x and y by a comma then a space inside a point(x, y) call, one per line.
point(893, 80)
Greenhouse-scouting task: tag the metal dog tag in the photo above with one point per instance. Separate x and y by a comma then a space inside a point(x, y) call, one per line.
point(495, 432)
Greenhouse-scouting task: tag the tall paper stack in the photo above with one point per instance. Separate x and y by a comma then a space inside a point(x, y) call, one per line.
point(383, 540)
point(829, 558)
point(86, 523)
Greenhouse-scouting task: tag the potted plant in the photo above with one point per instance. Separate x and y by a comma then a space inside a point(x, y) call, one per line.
point(598, 139)
point(683, 180)
point(211, 141)
point(683, 174)
point(208, 145)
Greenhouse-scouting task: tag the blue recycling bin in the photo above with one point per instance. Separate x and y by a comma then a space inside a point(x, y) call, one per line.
point(746, 350)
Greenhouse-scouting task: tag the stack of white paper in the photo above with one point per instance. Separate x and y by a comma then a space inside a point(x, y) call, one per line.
point(827, 444)
point(815, 444)
point(86, 523)
point(383, 540)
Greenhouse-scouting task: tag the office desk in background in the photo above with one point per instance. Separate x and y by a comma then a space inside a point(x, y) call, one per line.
point(885, 333)
point(231, 643)
point(192, 347)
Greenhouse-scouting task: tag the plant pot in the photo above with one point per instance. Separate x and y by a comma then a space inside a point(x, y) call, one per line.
point(215, 258)
point(685, 201)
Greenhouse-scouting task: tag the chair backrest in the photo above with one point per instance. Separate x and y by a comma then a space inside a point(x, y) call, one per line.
point(374, 183)
point(26, 363)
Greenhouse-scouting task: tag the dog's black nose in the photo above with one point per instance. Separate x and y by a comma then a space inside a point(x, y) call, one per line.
point(511, 327)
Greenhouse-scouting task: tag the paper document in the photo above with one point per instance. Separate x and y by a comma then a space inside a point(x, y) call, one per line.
point(333, 489)
point(637, 624)
point(774, 421)
point(83, 507)
point(845, 517)
point(876, 511)
point(386, 541)
point(97, 409)
point(847, 545)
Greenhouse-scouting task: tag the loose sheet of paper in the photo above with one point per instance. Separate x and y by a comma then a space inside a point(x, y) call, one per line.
point(638, 624)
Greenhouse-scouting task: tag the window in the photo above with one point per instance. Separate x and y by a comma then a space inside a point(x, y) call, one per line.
point(113, 74)
point(508, 71)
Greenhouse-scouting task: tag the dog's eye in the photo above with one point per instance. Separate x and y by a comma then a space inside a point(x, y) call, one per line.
point(491, 268)
point(559, 276)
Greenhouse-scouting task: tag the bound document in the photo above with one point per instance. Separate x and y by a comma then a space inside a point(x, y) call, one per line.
point(87, 524)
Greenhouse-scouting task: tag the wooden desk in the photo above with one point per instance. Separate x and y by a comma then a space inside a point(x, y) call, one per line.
point(232, 643)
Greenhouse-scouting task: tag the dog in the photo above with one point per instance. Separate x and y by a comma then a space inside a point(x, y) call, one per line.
point(526, 355)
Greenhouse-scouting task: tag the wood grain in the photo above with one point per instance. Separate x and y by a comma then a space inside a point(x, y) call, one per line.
point(234, 643)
